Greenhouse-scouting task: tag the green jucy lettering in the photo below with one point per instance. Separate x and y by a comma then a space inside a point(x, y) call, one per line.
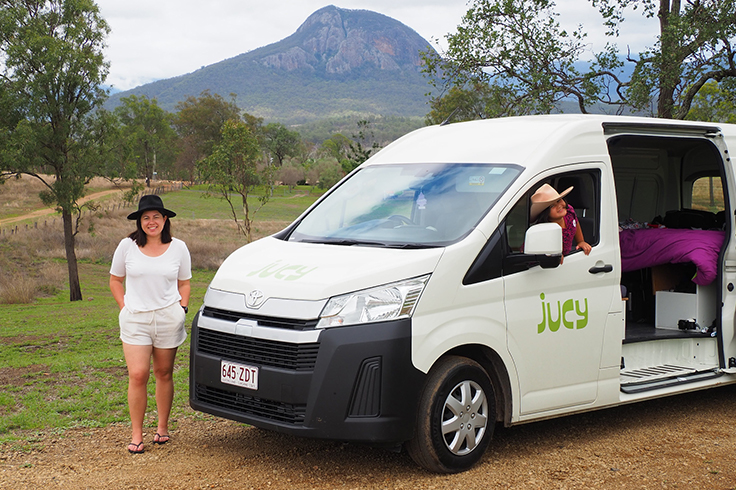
point(286, 272)
point(564, 310)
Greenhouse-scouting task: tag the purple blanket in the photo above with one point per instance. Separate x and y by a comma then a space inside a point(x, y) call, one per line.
point(656, 246)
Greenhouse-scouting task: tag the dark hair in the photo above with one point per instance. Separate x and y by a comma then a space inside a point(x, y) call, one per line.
point(139, 236)
point(543, 217)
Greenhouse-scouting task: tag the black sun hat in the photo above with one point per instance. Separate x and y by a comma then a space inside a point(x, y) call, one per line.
point(151, 201)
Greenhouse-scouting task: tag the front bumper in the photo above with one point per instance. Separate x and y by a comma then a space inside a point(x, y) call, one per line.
point(354, 383)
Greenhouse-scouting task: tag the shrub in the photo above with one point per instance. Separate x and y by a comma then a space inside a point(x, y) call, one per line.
point(17, 289)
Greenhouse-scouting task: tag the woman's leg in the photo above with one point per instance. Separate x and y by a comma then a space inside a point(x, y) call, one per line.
point(163, 370)
point(138, 359)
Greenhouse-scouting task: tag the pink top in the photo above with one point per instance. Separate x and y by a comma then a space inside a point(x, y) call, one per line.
point(568, 232)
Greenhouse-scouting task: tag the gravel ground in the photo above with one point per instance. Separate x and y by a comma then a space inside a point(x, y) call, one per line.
point(686, 442)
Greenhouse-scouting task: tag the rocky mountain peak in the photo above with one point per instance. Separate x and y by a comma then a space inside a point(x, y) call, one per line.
point(335, 42)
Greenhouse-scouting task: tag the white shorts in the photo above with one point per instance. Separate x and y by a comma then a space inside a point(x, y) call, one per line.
point(163, 329)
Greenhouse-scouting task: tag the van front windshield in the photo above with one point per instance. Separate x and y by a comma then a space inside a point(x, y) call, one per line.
point(406, 206)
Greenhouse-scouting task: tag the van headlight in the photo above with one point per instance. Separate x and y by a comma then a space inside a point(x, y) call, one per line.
point(389, 302)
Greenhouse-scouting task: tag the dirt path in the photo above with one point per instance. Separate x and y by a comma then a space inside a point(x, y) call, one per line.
point(683, 442)
point(46, 211)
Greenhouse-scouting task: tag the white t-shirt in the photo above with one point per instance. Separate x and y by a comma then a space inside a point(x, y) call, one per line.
point(151, 282)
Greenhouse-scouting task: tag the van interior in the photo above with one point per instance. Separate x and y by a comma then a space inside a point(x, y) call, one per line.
point(671, 322)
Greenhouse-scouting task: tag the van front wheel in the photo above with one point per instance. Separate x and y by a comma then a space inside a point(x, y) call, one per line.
point(456, 418)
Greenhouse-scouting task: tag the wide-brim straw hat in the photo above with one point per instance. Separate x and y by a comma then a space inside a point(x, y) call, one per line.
point(148, 202)
point(544, 198)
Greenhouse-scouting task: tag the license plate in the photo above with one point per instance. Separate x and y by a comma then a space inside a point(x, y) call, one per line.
point(236, 374)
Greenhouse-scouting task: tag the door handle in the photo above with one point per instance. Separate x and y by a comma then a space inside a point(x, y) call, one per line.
point(601, 268)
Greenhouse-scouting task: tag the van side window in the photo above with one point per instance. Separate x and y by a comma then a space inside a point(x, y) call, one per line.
point(707, 194)
point(584, 198)
point(517, 222)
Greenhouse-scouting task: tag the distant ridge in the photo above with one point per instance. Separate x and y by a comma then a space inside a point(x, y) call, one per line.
point(338, 62)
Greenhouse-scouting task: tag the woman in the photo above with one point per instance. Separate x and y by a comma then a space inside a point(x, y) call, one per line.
point(149, 279)
point(548, 206)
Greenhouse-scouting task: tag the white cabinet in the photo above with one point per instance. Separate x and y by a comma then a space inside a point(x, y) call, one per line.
point(671, 307)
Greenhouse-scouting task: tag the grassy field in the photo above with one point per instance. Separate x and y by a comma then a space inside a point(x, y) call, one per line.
point(61, 362)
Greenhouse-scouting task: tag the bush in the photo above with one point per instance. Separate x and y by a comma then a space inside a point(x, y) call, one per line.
point(17, 289)
point(330, 172)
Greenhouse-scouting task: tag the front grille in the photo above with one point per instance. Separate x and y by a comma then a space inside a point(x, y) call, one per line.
point(296, 357)
point(250, 405)
point(263, 321)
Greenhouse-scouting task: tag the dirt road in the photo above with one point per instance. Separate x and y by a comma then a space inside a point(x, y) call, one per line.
point(683, 442)
point(46, 211)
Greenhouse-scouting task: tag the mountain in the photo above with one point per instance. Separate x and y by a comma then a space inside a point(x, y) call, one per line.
point(339, 62)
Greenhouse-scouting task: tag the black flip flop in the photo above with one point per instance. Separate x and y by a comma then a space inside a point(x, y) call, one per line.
point(159, 436)
point(138, 448)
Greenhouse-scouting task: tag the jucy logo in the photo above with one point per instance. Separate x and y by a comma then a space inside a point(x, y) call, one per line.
point(564, 309)
point(287, 272)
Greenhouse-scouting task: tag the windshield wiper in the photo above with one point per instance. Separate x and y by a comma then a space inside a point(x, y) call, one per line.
point(368, 243)
point(407, 246)
point(345, 241)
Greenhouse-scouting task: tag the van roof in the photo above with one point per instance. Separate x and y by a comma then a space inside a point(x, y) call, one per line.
point(521, 140)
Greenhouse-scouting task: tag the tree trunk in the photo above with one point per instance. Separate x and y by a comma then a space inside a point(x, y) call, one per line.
point(246, 217)
point(75, 290)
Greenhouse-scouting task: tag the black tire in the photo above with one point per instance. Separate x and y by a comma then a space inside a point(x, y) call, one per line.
point(448, 437)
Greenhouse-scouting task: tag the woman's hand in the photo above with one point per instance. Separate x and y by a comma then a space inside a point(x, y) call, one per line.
point(584, 247)
point(118, 290)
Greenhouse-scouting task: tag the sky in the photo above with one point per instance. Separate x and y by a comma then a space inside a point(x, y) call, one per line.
point(152, 40)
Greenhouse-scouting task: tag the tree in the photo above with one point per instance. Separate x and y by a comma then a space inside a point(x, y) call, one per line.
point(148, 134)
point(337, 146)
point(715, 102)
point(328, 173)
point(50, 77)
point(290, 175)
point(280, 142)
point(477, 101)
point(233, 168)
point(199, 122)
point(358, 149)
point(518, 47)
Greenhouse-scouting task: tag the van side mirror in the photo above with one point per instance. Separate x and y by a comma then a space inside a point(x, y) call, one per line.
point(544, 238)
point(544, 242)
point(542, 246)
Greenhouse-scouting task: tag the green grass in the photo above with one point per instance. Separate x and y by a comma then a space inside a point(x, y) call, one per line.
point(63, 363)
point(284, 205)
point(67, 359)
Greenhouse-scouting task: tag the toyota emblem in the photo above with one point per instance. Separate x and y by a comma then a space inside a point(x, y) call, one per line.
point(254, 299)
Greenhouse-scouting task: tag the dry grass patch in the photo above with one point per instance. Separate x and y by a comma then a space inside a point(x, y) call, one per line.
point(708, 194)
point(38, 279)
point(17, 289)
point(33, 261)
point(33, 256)
point(18, 195)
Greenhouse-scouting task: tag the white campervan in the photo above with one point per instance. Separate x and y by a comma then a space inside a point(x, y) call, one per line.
point(415, 305)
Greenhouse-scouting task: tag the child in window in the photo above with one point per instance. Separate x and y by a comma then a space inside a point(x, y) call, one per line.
point(548, 206)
